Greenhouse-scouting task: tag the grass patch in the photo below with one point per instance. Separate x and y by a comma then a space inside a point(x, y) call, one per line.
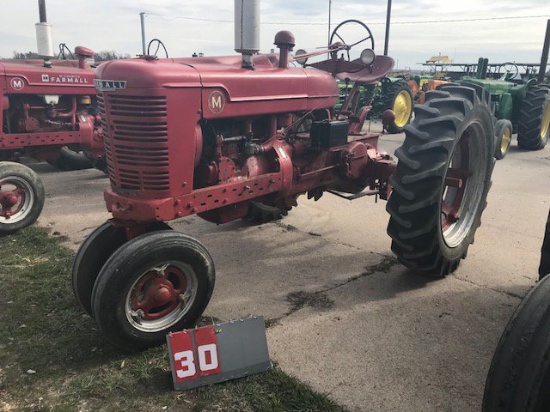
point(53, 359)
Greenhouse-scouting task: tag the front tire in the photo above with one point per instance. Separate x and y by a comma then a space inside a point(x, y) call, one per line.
point(441, 181)
point(519, 376)
point(92, 255)
point(534, 118)
point(21, 197)
point(503, 138)
point(154, 284)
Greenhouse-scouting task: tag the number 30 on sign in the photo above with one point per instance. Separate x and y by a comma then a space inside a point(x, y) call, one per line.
point(190, 363)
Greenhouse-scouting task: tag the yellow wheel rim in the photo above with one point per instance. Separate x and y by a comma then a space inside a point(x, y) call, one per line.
point(506, 141)
point(545, 124)
point(402, 107)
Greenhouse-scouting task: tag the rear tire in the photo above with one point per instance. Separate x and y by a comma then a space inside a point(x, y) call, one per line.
point(70, 160)
point(534, 118)
point(398, 97)
point(261, 213)
point(519, 376)
point(544, 266)
point(157, 283)
point(22, 197)
point(503, 138)
point(441, 181)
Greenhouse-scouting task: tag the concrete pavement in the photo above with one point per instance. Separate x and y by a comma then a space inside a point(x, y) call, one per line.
point(347, 318)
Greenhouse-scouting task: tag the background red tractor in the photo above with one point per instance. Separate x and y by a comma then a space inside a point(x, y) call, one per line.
point(49, 112)
point(214, 135)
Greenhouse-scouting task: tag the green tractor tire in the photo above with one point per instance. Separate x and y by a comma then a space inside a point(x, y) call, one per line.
point(398, 97)
point(534, 118)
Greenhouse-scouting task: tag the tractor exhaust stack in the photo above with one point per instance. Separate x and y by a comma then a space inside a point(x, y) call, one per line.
point(247, 30)
point(44, 38)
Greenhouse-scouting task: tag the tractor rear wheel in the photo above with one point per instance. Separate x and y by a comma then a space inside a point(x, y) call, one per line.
point(261, 213)
point(21, 197)
point(519, 376)
point(154, 284)
point(441, 181)
point(534, 118)
point(92, 255)
point(503, 138)
point(398, 97)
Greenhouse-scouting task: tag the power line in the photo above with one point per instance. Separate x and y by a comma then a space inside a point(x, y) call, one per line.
point(374, 23)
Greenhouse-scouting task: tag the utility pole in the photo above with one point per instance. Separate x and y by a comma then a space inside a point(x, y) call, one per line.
point(329, 11)
point(544, 56)
point(142, 17)
point(386, 42)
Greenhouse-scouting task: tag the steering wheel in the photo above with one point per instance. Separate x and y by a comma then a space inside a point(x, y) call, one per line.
point(339, 33)
point(159, 45)
point(62, 56)
point(511, 70)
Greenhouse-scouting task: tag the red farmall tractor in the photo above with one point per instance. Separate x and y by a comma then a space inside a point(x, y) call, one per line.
point(49, 112)
point(217, 136)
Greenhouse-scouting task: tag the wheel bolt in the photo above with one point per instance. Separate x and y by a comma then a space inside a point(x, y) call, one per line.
point(137, 315)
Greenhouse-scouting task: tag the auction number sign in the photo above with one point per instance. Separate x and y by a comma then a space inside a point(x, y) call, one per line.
point(217, 353)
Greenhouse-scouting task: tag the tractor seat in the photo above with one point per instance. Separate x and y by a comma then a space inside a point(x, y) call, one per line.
point(381, 66)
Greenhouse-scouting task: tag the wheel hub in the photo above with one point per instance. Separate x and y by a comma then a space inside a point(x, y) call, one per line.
point(14, 201)
point(462, 189)
point(162, 296)
point(158, 293)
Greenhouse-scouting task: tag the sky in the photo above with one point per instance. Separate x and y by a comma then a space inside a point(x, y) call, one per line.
point(463, 30)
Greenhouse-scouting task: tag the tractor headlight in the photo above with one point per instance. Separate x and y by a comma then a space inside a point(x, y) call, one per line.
point(297, 58)
point(367, 56)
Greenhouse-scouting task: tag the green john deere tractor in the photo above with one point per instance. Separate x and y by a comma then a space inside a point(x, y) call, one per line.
point(521, 106)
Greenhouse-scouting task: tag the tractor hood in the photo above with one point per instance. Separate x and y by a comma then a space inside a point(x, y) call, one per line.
point(227, 89)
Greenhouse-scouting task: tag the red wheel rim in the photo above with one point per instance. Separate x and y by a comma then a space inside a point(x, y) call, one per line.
point(161, 296)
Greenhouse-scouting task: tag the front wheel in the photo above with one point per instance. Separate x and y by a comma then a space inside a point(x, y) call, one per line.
point(441, 181)
point(92, 255)
point(21, 197)
point(519, 376)
point(503, 138)
point(154, 284)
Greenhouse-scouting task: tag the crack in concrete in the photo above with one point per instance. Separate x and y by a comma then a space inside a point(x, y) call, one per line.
point(511, 294)
point(320, 300)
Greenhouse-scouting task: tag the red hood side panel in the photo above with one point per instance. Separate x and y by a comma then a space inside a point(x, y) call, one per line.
point(31, 77)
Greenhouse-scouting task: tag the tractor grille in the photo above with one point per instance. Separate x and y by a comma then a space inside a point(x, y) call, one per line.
point(136, 141)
